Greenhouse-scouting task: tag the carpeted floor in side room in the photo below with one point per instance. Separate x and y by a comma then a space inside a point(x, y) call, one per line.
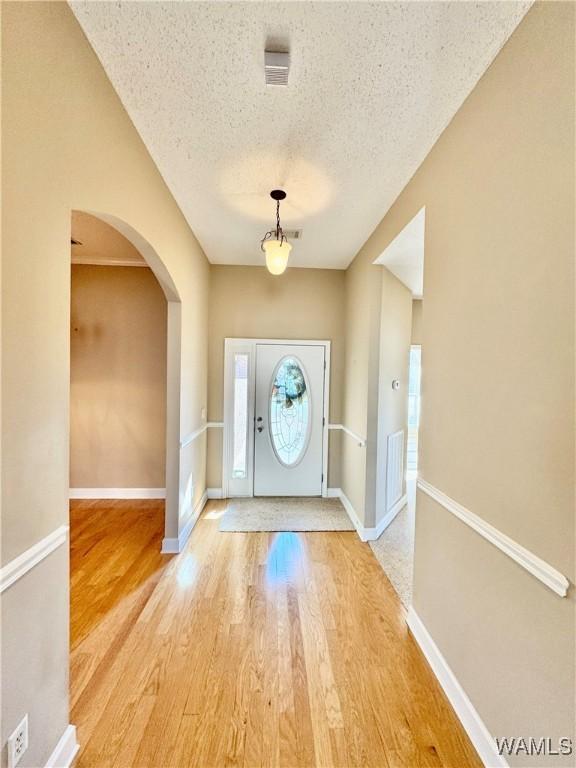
point(394, 550)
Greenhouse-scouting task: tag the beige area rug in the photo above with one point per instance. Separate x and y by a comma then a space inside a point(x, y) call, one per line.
point(285, 514)
point(394, 550)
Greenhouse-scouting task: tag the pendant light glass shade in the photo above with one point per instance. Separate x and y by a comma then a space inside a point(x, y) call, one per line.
point(274, 243)
point(277, 253)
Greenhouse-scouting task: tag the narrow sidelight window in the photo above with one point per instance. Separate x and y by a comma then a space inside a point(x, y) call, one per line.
point(239, 466)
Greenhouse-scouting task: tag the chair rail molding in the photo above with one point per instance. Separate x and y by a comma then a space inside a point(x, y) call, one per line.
point(15, 569)
point(360, 440)
point(539, 568)
point(185, 442)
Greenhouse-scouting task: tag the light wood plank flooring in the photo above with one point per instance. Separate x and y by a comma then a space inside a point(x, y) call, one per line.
point(248, 649)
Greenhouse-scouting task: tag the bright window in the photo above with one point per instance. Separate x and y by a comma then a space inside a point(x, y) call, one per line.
point(239, 466)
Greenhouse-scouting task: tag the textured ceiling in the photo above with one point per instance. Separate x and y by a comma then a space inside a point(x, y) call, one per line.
point(371, 87)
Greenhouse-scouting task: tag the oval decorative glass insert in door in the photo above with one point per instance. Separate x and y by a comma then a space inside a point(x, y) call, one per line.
point(289, 412)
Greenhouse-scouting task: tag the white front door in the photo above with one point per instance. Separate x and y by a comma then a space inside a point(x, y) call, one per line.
point(288, 420)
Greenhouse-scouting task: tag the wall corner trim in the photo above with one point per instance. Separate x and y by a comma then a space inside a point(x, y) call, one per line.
point(16, 568)
point(542, 570)
point(366, 534)
point(215, 493)
point(465, 710)
point(176, 545)
point(66, 749)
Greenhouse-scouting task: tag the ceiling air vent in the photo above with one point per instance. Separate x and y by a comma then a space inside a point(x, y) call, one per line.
point(293, 234)
point(276, 68)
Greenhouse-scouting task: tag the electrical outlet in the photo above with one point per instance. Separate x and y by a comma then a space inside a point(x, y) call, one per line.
point(18, 743)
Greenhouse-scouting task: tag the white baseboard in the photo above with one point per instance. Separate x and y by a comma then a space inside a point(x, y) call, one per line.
point(366, 534)
point(388, 517)
point(351, 512)
point(174, 546)
point(467, 714)
point(65, 751)
point(117, 493)
point(214, 493)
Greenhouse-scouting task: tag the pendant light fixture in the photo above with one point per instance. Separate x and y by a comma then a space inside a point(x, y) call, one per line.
point(274, 243)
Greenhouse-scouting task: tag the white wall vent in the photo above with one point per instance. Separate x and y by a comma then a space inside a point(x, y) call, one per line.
point(276, 68)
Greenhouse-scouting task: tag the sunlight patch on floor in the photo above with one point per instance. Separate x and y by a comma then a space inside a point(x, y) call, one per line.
point(284, 558)
point(187, 570)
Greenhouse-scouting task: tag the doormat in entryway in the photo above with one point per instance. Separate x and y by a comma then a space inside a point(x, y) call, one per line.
point(285, 514)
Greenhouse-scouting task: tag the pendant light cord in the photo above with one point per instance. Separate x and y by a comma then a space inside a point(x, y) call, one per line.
point(277, 218)
point(280, 236)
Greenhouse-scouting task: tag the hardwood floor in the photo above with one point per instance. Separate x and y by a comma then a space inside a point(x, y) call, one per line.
point(248, 649)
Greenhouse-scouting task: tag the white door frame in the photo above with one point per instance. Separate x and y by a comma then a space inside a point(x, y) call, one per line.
point(234, 346)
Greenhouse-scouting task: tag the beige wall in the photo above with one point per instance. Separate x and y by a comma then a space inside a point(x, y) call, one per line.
point(249, 302)
point(117, 378)
point(497, 431)
point(361, 371)
point(417, 306)
point(67, 144)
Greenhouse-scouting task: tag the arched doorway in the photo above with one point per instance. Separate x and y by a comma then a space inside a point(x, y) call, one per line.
point(109, 232)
